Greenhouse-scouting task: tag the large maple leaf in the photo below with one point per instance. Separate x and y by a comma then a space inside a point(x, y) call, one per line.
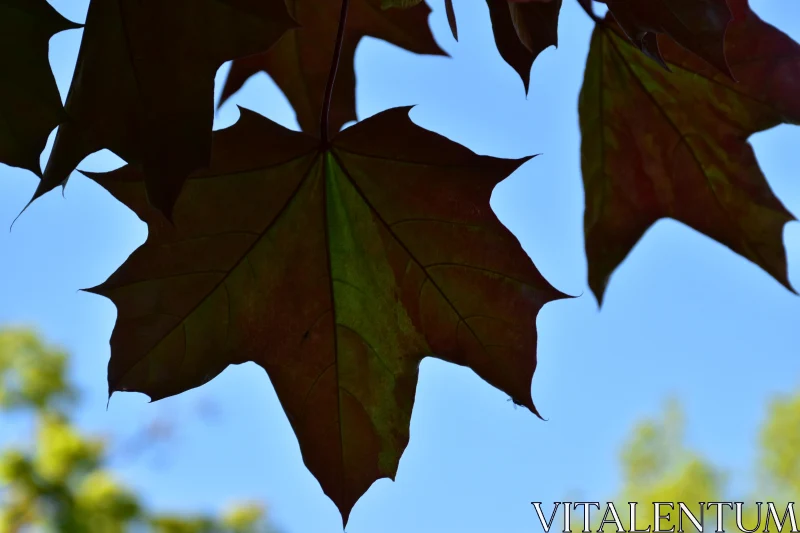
point(674, 144)
point(300, 62)
point(337, 271)
point(144, 84)
point(30, 106)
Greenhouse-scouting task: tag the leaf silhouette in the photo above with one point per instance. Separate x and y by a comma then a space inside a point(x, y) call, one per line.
point(144, 84)
point(674, 144)
point(30, 106)
point(300, 62)
point(522, 30)
point(451, 18)
point(337, 271)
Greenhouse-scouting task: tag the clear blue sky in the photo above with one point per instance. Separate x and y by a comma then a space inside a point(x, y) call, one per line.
point(682, 316)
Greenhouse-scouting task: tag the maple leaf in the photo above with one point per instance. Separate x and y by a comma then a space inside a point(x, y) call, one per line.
point(300, 62)
point(144, 84)
point(698, 25)
point(662, 144)
point(522, 30)
point(30, 106)
point(337, 271)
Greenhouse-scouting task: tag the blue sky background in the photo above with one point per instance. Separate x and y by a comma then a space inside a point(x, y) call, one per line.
point(683, 316)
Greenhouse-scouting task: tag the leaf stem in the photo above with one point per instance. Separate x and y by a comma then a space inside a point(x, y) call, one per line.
point(337, 53)
point(587, 6)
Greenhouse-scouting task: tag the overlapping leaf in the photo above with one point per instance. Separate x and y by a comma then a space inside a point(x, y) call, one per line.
point(300, 62)
point(697, 25)
point(674, 144)
point(525, 28)
point(30, 106)
point(337, 271)
point(144, 83)
point(522, 30)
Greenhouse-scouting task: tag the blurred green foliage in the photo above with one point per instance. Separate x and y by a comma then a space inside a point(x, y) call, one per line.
point(657, 466)
point(59, 483)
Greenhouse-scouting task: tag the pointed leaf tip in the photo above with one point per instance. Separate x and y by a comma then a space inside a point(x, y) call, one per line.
point(451, 18)
point(523, 30)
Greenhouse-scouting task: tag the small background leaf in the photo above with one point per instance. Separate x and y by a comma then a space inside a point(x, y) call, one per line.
point(522, 30)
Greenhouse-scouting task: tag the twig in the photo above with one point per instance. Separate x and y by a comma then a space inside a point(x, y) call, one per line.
point(337, 53)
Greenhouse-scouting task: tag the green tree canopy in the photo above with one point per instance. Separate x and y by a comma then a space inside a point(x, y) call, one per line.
point(60, 483)
point(658, 466)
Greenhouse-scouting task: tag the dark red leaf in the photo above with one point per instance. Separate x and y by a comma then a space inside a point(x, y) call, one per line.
point(144, 84)
point(674, 144)
point(300, 62)
point(337, 271)
point(522, 30)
